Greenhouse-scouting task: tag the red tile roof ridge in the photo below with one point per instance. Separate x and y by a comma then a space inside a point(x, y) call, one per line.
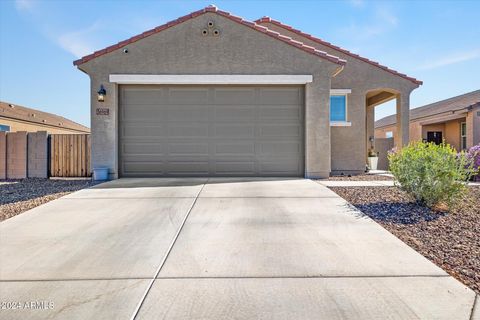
point(266, 19)
point(212, 8)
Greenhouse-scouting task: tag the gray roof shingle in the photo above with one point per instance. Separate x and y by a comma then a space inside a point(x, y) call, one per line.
point(14, 111)
point(439, 107)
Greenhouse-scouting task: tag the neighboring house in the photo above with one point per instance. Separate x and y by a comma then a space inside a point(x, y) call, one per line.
point(18, 118)
point(455, 120)
point(212, 94)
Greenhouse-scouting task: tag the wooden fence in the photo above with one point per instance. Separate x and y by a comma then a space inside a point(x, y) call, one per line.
point(69, 155)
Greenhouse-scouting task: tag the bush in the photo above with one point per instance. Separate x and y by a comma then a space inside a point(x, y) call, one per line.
point(474, 155)
point(433, 174)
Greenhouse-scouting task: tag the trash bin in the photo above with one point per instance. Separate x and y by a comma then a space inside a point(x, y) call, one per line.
point(100, 174)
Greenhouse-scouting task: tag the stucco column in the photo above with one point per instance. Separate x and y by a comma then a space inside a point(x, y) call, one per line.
point(370, 127)
point(403, 119)
point(104, 127)
point(317, 129)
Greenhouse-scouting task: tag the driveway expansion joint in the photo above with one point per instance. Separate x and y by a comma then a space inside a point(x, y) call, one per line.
point(308, 277)
point(475, 301)
point(157, 272)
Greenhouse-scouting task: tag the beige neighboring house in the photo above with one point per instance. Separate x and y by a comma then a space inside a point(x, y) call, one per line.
point(18, 118)
point(212, 94)
point(455, 120)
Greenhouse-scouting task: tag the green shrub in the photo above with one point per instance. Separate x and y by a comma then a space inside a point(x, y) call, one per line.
point(433, 174)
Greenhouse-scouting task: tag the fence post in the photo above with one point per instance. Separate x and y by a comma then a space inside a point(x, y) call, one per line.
point(3, 155)
point(37, 154)
point(17, 155)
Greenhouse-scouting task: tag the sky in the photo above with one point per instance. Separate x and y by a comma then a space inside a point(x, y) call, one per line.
point(434, 41)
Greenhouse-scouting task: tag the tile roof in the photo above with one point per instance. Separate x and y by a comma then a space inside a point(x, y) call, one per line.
point(225, 14)
point(14, 111)
point(334, 47)
point(448, 105)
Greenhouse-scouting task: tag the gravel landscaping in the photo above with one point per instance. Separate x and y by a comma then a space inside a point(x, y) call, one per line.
point(361, 177)
point(17, 196)
point(449, 239)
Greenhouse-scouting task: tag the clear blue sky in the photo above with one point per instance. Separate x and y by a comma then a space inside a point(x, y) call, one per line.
point(435, 41)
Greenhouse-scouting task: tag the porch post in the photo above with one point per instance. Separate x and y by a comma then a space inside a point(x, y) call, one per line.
point(370, 127)
point(403, 119)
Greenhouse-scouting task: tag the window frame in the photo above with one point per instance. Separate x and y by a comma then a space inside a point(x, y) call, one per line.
point(463, 135)
point(3, 126)
point(343, 93)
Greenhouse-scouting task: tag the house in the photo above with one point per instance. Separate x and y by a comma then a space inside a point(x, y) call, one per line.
point(18, 118)
point(455, 120)
point(212, 94)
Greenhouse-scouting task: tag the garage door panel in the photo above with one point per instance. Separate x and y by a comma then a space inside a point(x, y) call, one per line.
point(241, 96)
point(235, 148)
point(144, 131)
point(235, 167)
point(188, 113)
point(138, 148)
point(185, 149)
point(138, 167)
point(289, 112)
point(181, 130)
point(277, 130)
point(280, 96)
point(236, 113)
point(188, 96)
point(211, 131)
point(187, 167)
point(140, 97)
point(280, 148)
point(234, 131)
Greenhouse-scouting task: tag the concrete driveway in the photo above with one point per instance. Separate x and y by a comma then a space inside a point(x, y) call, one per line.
point(218, 248)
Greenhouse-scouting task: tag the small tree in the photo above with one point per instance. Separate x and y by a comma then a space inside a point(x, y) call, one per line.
point(432, 173)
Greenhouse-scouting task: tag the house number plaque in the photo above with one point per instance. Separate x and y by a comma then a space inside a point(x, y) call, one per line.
point(103, 111)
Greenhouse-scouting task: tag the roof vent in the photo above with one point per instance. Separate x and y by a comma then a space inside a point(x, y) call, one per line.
point(33, 115)
point(11, 105)
point(44, 121)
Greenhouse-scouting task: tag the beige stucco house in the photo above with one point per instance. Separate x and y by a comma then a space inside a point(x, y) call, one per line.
point(212, 94)
point(14, 117)
point(455, 120)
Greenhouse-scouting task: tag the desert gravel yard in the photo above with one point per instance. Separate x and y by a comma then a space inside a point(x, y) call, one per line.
point(450, 240)
point(361, 177)
point(17, 196)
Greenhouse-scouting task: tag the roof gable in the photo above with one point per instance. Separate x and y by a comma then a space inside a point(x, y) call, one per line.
point(334, 47)
point(17, 112)
point(213, 9)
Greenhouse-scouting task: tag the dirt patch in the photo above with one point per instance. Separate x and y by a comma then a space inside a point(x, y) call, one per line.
point(17, 196)
point(449, 239)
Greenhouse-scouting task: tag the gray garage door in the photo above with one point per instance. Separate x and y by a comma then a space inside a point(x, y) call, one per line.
point(211, 131)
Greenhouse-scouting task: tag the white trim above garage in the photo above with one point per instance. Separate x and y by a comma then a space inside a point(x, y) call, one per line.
point(209, 79)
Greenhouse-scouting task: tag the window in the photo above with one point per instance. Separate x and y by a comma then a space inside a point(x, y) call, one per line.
point(389, 134)
point(463, 135)
point(4, 127)
point(338, 108)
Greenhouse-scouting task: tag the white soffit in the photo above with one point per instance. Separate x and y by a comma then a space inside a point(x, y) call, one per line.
point(209, 79)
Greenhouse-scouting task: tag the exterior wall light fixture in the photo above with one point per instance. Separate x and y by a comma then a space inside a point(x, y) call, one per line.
point(101, 94)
